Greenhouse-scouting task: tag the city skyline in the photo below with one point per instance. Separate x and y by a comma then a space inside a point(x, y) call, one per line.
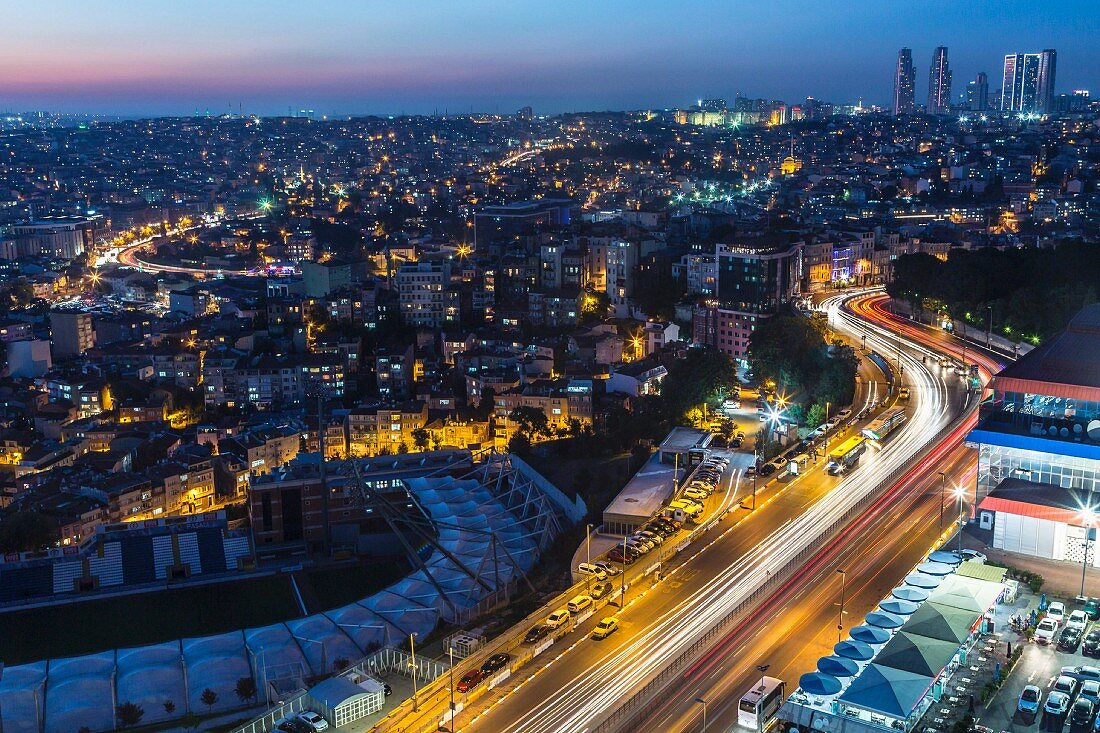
point(347, 59)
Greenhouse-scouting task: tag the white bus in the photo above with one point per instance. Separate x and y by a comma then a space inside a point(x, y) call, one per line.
point(760, 705)
point(885, 424)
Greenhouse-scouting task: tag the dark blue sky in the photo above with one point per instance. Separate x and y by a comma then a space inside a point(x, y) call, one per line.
point(391, 56)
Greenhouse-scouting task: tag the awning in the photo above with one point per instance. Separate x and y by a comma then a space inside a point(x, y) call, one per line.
point(852, 649)
point(920, 580)
point(910, 593)
point(837, 666)
point(884, 620)
point(816, 683)
point(899, 607)
point(936, 568)
point(886, 690)
point(870, 634)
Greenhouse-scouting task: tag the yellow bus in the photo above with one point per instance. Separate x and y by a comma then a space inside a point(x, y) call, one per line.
point(846, 454)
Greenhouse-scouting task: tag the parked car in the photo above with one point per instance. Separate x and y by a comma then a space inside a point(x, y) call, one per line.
point(557, 619)
point(1030, 699)
point(605, 628)
point(1070, 638)
point(1092, 608)
point(617, 555)
point(1091, 645)
point(696, 494)
point(1046, 631)
point(766, 470)
point(495, 663)
point(1057, 704)
point(536, 633)
point(968, 554)
point(1091, 690)
point(1081, 672)
point(1077, 620)
point(844, 414)
point(588, 569)
point(607, 567)
point(315, 722)
point(470, 680)
point(1065, 684)
point(1057, 611)
point(599, 590)
point(294, 725)
point(1082, 712)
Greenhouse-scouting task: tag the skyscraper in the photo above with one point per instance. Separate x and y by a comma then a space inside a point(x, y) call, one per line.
point(1028, 84)
point(905, 83)
point(977, 93)
point(1044, 92)
point(939, 83)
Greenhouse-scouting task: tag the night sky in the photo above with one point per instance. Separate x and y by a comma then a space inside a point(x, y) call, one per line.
point(423, 56)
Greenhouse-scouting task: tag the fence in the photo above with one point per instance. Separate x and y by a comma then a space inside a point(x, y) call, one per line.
point(644, 702)
point(267, 721)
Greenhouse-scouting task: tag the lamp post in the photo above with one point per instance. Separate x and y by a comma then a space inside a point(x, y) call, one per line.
point(588, 555)
point(1089, 518)
point(825, 448)
point(412, 664)
point(703, 702)
point(943, 487)
point(960, 494)
point(989, 333)
point(451, 672)
point(622, 579)
point(840, 616)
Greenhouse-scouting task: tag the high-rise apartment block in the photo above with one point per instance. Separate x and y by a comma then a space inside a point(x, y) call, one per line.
point(939, 83)
point(1028, 82)
point(977, 93)
point(905, 81)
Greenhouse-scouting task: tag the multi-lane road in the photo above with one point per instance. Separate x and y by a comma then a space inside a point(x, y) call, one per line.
point(586, 680)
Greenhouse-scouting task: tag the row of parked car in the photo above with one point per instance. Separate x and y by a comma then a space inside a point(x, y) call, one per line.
point(1076, 691)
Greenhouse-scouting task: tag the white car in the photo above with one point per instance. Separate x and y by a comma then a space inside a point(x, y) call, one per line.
point(1077, 620)
point(971, 555)
point(597, 572)
point(1046, 631)
point(1057, 612)
point(313, 720)
point(843, 414)
point(692, 493)
point(607, 567)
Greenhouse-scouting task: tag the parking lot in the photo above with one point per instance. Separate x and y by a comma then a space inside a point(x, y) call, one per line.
point(1039, 665)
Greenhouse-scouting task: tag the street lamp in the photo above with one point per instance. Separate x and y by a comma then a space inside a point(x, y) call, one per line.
point(943, 486)
point(989, 333)
point(588, 555)
point(412, 664)
point(960, 494)
point(703, 702)
point(1088, 516)
point(840, 616)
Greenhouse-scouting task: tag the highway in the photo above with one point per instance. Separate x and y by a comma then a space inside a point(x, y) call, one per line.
point(799, 625)
point(586, 679)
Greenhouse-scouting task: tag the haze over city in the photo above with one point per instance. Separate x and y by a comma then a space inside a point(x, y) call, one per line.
point(346, 57)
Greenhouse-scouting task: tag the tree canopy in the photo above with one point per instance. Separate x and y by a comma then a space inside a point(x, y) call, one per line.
point(1034, 292)
point(704, 374)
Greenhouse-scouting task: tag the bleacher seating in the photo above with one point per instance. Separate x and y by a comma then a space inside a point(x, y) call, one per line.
point(65, 574)
point(21, 583)
point(164, 556)
point(137, 559)
point(236, 547)
point(211, 549)
point(108, 565)
point(189, 551)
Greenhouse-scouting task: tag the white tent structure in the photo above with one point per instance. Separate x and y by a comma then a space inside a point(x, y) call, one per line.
point(150, 675)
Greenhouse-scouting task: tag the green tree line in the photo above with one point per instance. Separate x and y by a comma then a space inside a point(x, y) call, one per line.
point(1033, 292)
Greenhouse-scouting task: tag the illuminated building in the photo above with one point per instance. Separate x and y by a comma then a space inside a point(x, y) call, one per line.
point(1028, 83)
point(977, 93)
point(905, 83)
point(939, 83)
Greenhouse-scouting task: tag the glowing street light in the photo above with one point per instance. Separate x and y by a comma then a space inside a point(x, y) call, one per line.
point(960, 494)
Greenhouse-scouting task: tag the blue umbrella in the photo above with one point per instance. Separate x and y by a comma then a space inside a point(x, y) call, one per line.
point(899, 607)
point(920, 580)
point(837, 666)
point(910, 593)
point(816, 683)
point(884, 620)
point(945, 557)
point(935, 568)
point(852, 649)
point(870, 634)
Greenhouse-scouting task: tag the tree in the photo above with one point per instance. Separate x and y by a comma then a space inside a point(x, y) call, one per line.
point(169, 707)
point(519, 444)
point(129, 714)
point(700, 376)
point(815, 415)
point(246, 689)
point(421, 438)
point(531, 421)
point(403, 448)
point(26, 531)
point(209, 699)
point(340, 663)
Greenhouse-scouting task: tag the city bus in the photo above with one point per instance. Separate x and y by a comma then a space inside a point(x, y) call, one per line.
point(846, 455)
point(760, 705)
point(885, 424)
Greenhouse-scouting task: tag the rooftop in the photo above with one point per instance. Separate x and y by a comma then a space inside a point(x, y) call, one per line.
point(1069, 358)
